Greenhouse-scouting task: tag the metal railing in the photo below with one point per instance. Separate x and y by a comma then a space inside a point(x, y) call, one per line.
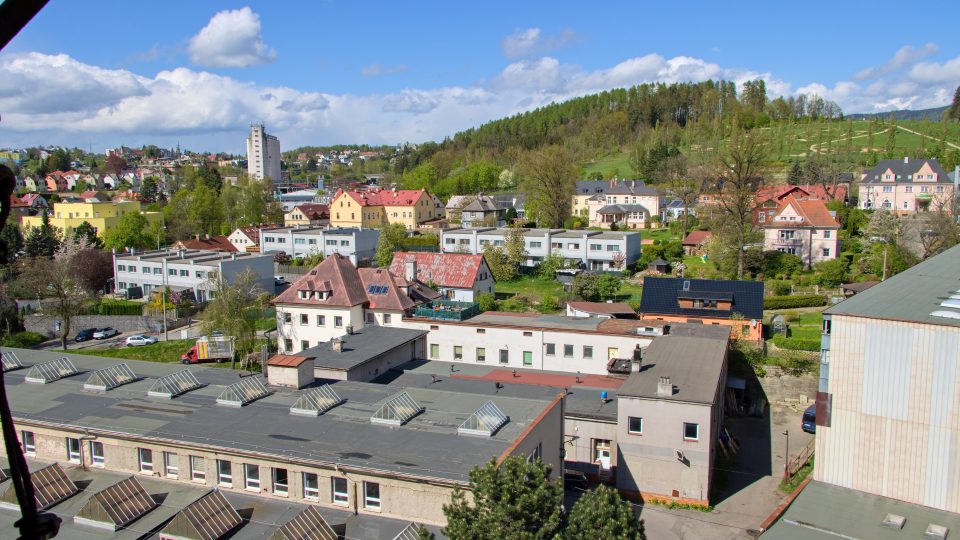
point(448, 310)
point(802, 458)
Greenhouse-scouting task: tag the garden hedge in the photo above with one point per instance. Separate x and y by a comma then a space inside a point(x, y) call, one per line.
point(794, 301)
point(23, 340)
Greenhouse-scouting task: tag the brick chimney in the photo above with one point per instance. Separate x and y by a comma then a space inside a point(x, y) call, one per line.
point(664, 387)
point(410, 270)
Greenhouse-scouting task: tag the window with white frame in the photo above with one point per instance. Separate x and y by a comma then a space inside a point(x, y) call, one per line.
point(224, 473)
point(73, 450)
point(198, 469)
point(321, 320)
point(587, 351)
point(311, 486)
point(280, 483)
point(635, 425)
point(337, 322)
point(339, 488)
point(251, 476)
point(171, 464)
point(691, 431)
point(568, 351)
point(29, 443)
point(96, 453)
point(371, 495)
point(145, 458)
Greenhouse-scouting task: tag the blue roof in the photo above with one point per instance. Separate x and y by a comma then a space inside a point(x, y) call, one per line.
point(660, 295)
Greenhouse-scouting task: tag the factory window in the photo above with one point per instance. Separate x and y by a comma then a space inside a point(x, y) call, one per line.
point(551, 349)
point(587, 351)
point(481, 354)
point(340, 494)
point(504, 356)
point(146, 460)
point(434, 351)
point(170, 465)
point(224, 473)
point(198, 469)
point(29, 443)
point(528, 334)
point(96, 453)
point(73, 450)
point(279, 481)
point(287, 345)
point(457, 352)
point(251, 474)
point(311, 486)
point(568, 351)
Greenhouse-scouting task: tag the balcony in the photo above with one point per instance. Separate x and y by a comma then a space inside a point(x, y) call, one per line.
point(448, 310)
point(788, 242)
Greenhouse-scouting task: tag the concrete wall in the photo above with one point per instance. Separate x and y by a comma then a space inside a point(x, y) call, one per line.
point(581, 433)
point(291, 376)
point(647, 462)
point(545, 433)
point(123, 323)
point(895, 416)
point(376, 366)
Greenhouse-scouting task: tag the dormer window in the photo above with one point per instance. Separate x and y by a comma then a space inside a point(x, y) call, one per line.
point(304, 295)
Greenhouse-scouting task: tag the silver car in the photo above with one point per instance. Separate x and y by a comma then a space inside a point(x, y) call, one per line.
point(138, 340)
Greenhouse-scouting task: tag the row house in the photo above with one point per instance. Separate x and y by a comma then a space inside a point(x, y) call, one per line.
point(456, 276)
point(337, 298)
point(592, 250)
point(358, 245)
point(906, 186)
point(377, 207)
point(803, 227)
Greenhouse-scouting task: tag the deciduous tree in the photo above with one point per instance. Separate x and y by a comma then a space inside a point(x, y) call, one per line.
point(235, 309)
point(549, 178)
point(391, 241)
point(129, 232)
point(58, 284)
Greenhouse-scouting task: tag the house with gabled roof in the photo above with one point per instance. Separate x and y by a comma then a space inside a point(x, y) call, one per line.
point(734, 303)
point(337, 298)
point(627, 203)
point(803, 227)
point(246, 239)
point(769, 198)
point(307, 214)
point(906, 186)
point(377, 207)
point(456, 276)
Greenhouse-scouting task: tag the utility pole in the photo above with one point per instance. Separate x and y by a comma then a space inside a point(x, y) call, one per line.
point(786, 458)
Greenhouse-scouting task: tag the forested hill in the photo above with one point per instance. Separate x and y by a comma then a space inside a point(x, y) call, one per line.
point(934, 114)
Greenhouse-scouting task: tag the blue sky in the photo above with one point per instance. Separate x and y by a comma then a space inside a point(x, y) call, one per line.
point(106, 73)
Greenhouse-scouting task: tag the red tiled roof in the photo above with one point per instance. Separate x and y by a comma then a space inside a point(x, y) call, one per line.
point(286, 360)
point(813, 212)
point(253, 233)
point(695, 238)
point(808, 191)
point(455, 270)
point(215, 243)
point(335, 274)
point(314, 210)
point(614, 308)
point(383, 197)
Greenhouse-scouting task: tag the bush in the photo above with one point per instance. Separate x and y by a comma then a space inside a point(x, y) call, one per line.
point(23, 340)
point(516, 303)
point(780, 287)
point(548, 304)
point(487, 302)
point(796, 344)
point(796, 301)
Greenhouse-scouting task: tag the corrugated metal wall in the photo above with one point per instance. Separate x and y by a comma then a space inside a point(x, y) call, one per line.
point(895, 426)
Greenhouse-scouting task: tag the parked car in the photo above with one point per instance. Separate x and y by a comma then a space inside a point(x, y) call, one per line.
point(809, 423)
point(85, 334)
point(138, 340)
point(105, 333)
point(573, 479)
point(279, 280)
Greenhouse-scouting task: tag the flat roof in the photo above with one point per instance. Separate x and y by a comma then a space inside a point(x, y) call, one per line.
point(360, 347)
point(694, 364)
point(427, 446)
point(912, 295)
point(535, 321)
point(316, 229)
point(187, 256)
point(262, 515)
point(827, 512)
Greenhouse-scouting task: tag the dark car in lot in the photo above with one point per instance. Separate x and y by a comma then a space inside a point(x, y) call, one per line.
point(573, 479)
point(85, 335)
point(809, 423)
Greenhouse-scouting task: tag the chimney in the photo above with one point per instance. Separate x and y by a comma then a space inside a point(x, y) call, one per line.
point(336, 345)
point(613, 183)
point(906, 159)
point(664, 387)
point(410, 270)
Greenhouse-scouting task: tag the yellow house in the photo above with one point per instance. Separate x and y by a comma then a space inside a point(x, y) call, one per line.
point(103, 216)
point(375, 208)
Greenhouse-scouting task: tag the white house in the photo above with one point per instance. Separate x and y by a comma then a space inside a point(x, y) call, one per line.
point(245, 239)
point(457, 276)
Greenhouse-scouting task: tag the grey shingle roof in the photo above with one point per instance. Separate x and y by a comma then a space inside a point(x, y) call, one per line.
point(360, 347)
point(903, 169)
point(694, 364)
point(622, 209)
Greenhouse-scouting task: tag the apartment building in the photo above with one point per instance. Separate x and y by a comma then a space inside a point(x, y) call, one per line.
point(803, 227)
point(381, 451)
point(889, 392)
point(592, 250)
point(906, 186)
point(456, 276)
point(669, 416)
point(337, 298)
point(263, 154)
point(358, 245)
point(103, 216)
point(377, 207)
point(186, 270)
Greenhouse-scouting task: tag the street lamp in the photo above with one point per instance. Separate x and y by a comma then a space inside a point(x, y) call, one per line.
point(786, 458)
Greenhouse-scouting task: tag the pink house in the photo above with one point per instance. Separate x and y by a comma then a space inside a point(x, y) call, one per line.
point(803, 227)
point(906, 186)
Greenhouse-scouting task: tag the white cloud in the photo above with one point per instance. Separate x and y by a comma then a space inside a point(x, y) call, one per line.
point(375, 70)
point(533, 42)
point(231, 39)
point(904, 57)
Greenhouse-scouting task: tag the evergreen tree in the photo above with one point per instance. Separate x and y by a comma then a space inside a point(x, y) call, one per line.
point(953, 113)
point(87, 232)
point(514, 500)
point(795, 176)
point(601, 513)
point(42, 241)
point(12, 237)
point(149, 190)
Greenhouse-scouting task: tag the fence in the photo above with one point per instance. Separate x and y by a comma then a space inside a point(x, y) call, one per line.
point(798, 462)
point(114, 309)
point(289, 269)
point(448, 310)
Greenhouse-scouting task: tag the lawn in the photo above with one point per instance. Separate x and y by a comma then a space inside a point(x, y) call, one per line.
point(164, 351)
point(532, 286)
point(658, 234)
point(610, 166)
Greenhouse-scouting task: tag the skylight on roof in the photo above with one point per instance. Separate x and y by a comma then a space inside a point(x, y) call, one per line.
point(116, 506)
point(398, 411)
point(51, 485)
point(241, 393)
point(174, 384)
point(48, 372)
point(11, 361)
point(208, 518)
point(951, 303)
point(316, 401)
point(947, 314)
point(485, 421)
point(410, 532)
point(308, 524)
point(110, 378)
